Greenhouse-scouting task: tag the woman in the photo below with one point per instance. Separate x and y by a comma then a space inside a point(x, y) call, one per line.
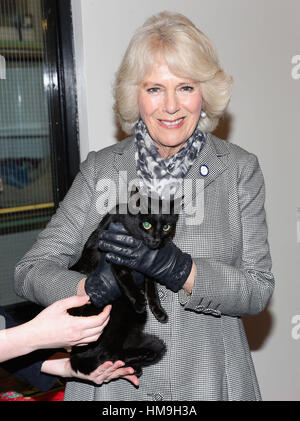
point(53, 328)
point(170, 93)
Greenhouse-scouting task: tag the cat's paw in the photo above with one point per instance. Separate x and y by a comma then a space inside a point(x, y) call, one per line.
point(140, 304)
point(163, 318)
point(84, 311)
point(160, 315)
point(138, 371)
point(84, 366)
point(140, 307)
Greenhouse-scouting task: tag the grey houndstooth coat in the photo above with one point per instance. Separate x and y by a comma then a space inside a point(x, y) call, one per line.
point(208, 357)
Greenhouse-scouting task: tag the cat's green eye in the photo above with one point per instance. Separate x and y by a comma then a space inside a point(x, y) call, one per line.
point(166, 227)
point(147, 225)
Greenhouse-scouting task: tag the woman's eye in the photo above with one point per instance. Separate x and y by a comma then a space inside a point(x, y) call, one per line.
point(187, 88)
point(147, 225)
point(166, 227)
point(153, 90)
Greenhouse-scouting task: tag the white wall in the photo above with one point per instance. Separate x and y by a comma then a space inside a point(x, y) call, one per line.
point(257, 41)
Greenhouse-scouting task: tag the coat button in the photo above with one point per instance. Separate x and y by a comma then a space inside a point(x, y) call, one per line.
point(158, 397)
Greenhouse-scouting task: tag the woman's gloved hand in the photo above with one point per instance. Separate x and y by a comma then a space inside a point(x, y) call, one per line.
point(167, 265)
point(101, 285)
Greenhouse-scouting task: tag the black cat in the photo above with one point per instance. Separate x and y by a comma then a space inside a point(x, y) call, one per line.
point(123, 338)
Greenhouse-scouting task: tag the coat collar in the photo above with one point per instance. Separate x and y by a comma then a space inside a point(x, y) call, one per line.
point(210, 157)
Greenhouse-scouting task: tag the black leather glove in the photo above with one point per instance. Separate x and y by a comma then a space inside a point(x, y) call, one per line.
point(168, 265)
point(101, 285)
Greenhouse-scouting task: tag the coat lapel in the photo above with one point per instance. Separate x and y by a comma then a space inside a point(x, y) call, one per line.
point(208, 160)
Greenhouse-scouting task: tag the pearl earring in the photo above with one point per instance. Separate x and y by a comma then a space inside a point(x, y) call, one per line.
point(203, 114)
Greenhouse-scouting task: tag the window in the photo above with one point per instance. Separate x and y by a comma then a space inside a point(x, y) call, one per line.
point(38, 129)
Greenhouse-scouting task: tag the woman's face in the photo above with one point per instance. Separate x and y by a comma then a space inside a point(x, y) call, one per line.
point(170, 107)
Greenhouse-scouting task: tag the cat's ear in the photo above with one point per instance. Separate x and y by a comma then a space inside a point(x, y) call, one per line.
point(134, 190)
point(177, 204)
point(134, 196)
point(138, 203)
point(133, 205)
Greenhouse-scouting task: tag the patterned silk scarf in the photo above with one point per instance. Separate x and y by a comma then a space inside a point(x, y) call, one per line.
point(162, 177)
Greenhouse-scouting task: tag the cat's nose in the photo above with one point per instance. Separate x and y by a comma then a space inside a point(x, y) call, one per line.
point(154, 243)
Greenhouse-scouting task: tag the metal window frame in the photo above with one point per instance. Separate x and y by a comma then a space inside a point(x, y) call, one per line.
point(62, 96)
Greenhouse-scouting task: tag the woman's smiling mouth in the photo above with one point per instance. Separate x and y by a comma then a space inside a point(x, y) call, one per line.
point(174, 124)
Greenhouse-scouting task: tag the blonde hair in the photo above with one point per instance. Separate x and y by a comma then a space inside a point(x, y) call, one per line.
point(188, 54)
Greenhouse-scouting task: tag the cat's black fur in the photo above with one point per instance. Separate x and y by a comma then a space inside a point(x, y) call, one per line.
point(123, 338)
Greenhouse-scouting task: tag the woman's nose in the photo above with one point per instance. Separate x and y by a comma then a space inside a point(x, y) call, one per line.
point(171, 104)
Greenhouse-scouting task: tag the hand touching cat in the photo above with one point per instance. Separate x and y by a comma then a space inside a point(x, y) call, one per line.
point(103, 374)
